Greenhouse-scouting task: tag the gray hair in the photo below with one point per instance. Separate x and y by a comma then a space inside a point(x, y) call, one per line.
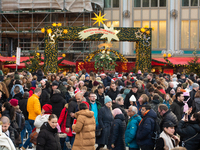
point(5, 120)
point(56, 91)
point(133, 108)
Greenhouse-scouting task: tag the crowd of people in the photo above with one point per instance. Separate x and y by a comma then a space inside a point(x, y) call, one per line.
point(88, 111)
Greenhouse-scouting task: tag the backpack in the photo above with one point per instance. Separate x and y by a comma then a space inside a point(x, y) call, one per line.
point(156, 131)
point(186, 107)
point(20, 119)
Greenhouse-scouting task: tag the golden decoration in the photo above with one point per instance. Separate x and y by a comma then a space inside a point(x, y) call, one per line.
point(63, 55)
point(65, 31)
point(99, 19)
point(54, 24)
point(164, 55)
point(153, 28)
point(146, 26)
point(147, 32)
point(13, 55)
point(169, 55)
point(142, 30)
point(59, 24)
point(43, 30)
point(49, 31)
point(38, 54)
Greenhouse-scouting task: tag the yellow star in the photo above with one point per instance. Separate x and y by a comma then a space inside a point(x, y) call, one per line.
point(65, 31)
point(54, 24)
point(42, 30)
point(99, 18)
point(59, 24)
point(49, 31)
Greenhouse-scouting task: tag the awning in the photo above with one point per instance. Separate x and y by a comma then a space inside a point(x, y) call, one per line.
point(21, 66)
point(66, 62)
point(176, 60)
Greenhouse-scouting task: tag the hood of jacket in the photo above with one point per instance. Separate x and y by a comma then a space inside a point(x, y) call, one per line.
point(151, 113)
point(85, 112)
point(56, 98)
point(126, 91)
point(120, 116)
point(155, 101)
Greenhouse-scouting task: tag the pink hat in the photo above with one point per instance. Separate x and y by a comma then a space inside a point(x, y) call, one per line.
point(102, 74)
point(186, 94)
point(116, 111)
point(120, 76)
point(81, 82)
point(14, 102)
point(139, 72)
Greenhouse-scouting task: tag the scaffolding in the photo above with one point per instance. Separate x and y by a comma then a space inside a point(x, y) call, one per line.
point(21, 27)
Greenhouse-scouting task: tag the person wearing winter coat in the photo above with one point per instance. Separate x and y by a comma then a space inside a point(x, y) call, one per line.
point(143, 100)
point(189, 131)
point(146, 128)
point(17, 83)
point(85, 129)
point(100, 95)
point(167, 138)
point(69, 94)
point(45, 96)
point(196, 102)
point(195, 87)
point(167, 115)
point(48, 138)
point(105, 119)
point(57, 102)
point(105, 79)
point(133, 91)
point(131, 129)
point(113, 92)
point(117, 134)
point(177, 106)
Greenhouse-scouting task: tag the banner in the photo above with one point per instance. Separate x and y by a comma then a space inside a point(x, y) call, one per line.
point(18, 56)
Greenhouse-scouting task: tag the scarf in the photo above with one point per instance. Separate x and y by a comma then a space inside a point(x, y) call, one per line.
point(167, 140)
point(71, 94)
point(144, 116)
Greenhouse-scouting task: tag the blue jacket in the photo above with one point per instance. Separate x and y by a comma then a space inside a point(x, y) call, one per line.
point(166, 103)
point(20, 87)
point(146, 128)
point(131, 129)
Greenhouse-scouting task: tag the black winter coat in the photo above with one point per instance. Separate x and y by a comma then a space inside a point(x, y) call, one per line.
point(72, 108)
point(100, 98)
point(58, 103)
point(117, 134)
point(67, 97)
point(126, 101)
point(44, 97)
point(168, 116)
point(18, 96)
point(177, 108)
point(105, 119)
point(23, 107)
point(122, 109)
point(113, 94)
point(188, 130)
point(48, 138)
point(192, 94)
point(39, 75)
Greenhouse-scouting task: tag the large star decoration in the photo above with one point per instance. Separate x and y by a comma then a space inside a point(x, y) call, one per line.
point(111, 36)
point(58, 33)
point(99, 19)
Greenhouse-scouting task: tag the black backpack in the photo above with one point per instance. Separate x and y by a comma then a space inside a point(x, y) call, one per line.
point(20, 119)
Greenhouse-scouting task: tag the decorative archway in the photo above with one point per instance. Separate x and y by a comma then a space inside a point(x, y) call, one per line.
point(56, 32)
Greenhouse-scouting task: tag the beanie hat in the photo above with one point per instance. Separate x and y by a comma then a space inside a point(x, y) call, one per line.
point(169, 124)
point(14, 102)
point(47, 108)
point(95, 83)
point(86, 104)
point(81, 82)
point(195, 85)
point(55, 83)
point(87, 75)
point(107, 99)
point(132, 98)
point(116, 111)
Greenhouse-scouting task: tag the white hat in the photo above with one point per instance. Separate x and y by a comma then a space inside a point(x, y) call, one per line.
point(132, 98)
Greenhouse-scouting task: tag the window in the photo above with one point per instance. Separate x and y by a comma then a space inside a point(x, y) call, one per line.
point(115, 23)
point(185, 2)
point(137, 3)
point(162, 3)
point(185, 34)
point(145, 23)
point(154, 3)
point(145, 3)
point(154, 24)
point(162, 34)
point(107, 3)
point(137, 24)
point(194, 34)
point(115, 3)
point(194, 2)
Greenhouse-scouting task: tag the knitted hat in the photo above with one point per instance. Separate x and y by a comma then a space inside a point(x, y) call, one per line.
point(14, 102)
point(116, 111)
point(195, 85)
point(64, 83)
point(169, 124)
point(95, 83)
point(107, 99)
point(132, 98)
point(55, 83)
point(139, 72)
point(86, 104)
point(47, 107)
point(87, 75)
point(81, 82)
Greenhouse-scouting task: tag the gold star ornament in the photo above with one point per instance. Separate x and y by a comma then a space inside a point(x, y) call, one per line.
point(99, 19)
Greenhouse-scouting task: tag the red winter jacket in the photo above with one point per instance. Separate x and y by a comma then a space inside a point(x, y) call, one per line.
point(62, 120)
